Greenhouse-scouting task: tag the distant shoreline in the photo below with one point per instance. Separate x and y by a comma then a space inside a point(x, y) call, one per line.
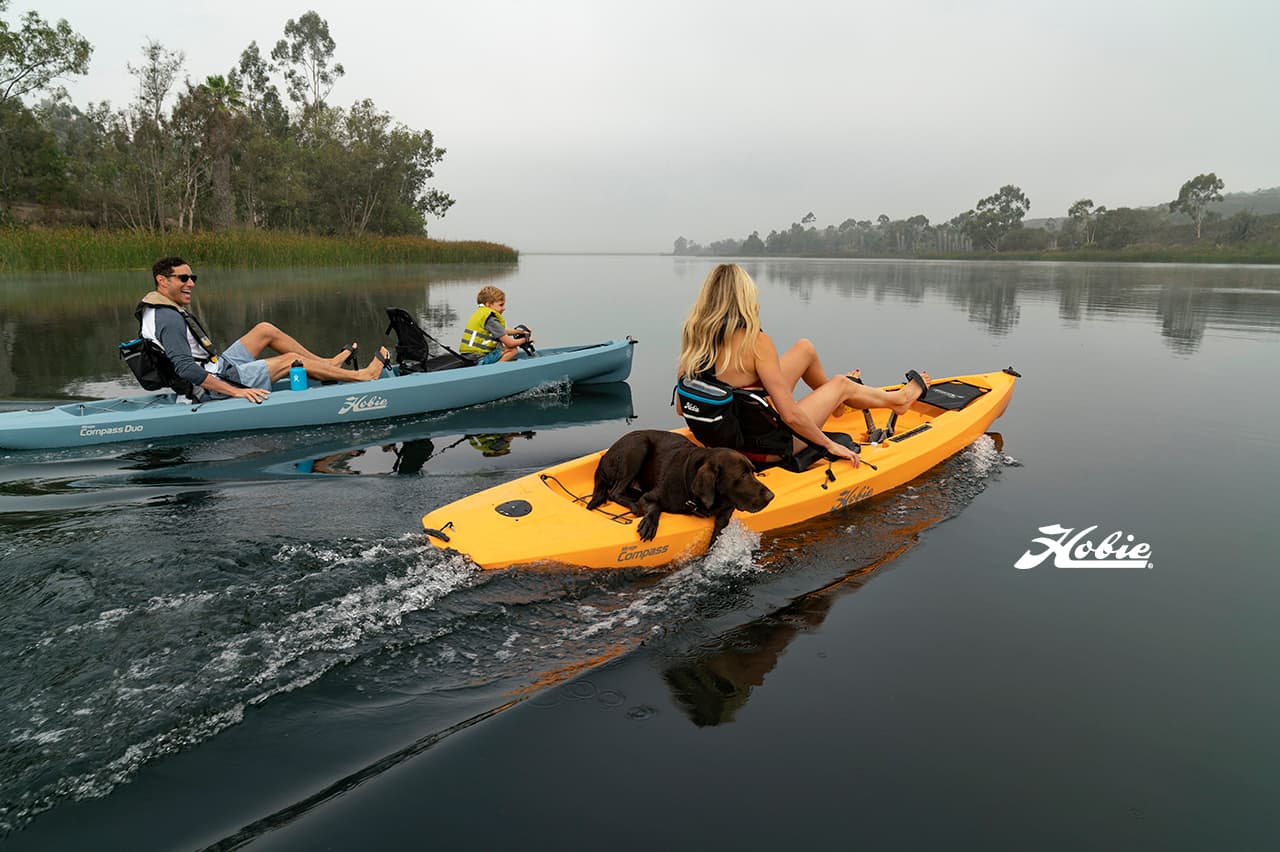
point(1268, 255)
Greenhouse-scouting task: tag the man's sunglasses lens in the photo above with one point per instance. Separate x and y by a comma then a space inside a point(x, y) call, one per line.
point(184, 277)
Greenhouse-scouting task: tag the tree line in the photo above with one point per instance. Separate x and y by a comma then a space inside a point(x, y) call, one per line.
point(995, 224)
point(228, 151)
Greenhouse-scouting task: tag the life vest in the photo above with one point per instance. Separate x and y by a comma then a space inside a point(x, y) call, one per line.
point(149, 363)
point(476, 340)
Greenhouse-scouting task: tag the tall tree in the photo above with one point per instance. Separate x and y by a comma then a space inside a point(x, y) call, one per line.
point(371, 174)
point(32, 166)
point(1195, 197)
point(153, 147)
point(252, 78)
point(206, 122)
point(305, 57)
point(997, 215)
point(225, 118)
point(156, 77)
point(38, 53)
point(1082, 215)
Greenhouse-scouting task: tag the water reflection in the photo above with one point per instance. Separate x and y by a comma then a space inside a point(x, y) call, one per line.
point(715, 679)
point(1184, 300)
point(716, 682)
point(408, 458)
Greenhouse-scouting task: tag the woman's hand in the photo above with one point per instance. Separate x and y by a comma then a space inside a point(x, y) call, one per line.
point(843, 452)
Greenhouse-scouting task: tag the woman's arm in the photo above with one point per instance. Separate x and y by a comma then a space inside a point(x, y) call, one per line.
point(769, 369)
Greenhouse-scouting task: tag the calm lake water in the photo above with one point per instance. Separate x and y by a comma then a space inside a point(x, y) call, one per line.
point(244, 640)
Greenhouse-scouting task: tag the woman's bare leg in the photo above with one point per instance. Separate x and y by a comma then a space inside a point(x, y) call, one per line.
point(801, 361)
point(820, 404)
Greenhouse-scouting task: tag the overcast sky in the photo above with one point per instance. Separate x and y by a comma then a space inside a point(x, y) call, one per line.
point(609, 126)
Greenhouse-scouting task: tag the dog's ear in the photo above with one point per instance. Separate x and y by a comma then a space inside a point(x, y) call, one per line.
point(703, 486)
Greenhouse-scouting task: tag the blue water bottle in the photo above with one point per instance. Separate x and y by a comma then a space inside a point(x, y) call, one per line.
point(297, 377)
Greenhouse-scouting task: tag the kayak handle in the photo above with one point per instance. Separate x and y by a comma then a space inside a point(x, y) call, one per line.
point(440, 533)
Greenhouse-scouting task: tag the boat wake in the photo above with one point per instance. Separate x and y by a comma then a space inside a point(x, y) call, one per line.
point(112, 665)
point(102, 694)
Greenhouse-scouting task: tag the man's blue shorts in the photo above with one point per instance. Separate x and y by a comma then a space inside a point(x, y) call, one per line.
point(237, 365)
point(492, 358)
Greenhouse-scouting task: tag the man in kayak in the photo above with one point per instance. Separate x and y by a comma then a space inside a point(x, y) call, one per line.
point(164, 318)
point(486, 339)
point(722, 341)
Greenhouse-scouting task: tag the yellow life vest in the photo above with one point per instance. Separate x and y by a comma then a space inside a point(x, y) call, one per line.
point(476, 340)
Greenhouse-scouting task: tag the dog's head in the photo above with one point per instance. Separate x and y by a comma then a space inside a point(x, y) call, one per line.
point(728, 476)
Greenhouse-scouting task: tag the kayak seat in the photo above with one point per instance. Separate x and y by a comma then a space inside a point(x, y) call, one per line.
point(810, 455)
point(414, 347)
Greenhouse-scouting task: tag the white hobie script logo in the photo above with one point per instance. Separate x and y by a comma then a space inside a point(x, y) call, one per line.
point(1077, 551)
point(368, 402)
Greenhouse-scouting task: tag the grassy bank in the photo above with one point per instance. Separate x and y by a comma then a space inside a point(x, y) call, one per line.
point(88, 249)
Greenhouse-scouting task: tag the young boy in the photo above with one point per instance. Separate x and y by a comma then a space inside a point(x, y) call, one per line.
point(486, 339)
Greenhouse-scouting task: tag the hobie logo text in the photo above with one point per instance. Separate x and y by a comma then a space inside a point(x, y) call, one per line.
point(1071, 549)
point(368, 402)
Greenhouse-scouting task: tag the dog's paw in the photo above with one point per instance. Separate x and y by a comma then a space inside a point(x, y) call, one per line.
point(648, 528)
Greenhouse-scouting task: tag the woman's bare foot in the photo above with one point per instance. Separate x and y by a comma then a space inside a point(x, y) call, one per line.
point(917, 384)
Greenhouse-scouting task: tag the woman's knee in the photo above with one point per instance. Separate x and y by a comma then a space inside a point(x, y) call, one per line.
point(804, 350)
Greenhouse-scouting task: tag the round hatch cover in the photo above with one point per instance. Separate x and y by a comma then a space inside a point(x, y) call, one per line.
point(514, 508)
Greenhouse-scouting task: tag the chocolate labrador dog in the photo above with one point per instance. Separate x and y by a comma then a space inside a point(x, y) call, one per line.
point(651, 471)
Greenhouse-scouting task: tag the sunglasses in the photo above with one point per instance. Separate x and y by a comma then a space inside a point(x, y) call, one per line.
point(184, 277)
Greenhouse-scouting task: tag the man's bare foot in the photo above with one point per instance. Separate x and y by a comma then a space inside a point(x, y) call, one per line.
point(348, 353)
point(380, 361)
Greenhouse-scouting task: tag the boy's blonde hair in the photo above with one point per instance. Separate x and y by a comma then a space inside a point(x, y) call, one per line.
point(489, 294)
point(728, 303)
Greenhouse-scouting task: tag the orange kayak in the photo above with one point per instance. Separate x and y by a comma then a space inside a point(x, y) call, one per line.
point(542, 518)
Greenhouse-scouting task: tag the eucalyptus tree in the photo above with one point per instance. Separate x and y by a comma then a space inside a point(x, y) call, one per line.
point(153, 147)
point(371, 173)
point(1195, 197)
point(32, 57)
point(252, 79)
point(1082, 216)
point(207, 121)
point(996, 215)
point(37, 53)
point(305, 58)
point(265, 178)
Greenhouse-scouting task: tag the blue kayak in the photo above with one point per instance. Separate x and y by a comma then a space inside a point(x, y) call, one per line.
point(158, 416)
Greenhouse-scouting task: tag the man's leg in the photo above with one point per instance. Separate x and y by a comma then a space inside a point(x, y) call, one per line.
point(265, 335)
point(324, 369)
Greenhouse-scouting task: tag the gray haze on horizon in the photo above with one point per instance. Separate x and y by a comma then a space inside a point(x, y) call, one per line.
point(596, 126)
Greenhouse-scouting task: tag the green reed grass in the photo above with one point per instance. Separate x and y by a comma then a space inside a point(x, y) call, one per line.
point(86, 249)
